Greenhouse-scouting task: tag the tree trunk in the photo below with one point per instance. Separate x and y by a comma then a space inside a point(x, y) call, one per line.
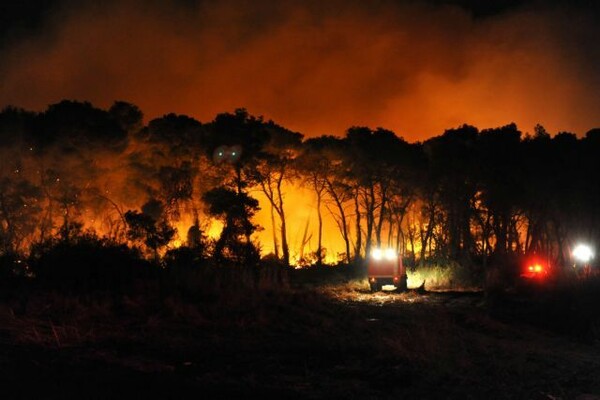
point(382, 212)
point(343, 223)
point(275, 243)
point(370, 215)
point(284, 244)
point(358, 245)
point(319, 187)
point(320, 230)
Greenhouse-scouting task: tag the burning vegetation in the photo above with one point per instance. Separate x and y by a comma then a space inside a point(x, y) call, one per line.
point(159, 256)
point(239, 188)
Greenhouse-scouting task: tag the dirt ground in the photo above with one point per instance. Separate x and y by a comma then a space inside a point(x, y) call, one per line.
point(332, 342)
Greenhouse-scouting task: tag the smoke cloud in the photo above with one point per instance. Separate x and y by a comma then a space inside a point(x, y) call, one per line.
point(409, 66)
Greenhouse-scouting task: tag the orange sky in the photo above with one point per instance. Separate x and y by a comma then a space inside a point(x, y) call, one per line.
point(416, 69)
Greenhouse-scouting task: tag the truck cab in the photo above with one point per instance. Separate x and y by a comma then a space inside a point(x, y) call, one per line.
point(384, 267)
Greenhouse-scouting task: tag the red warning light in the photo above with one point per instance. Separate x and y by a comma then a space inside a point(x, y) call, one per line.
point(535, 270)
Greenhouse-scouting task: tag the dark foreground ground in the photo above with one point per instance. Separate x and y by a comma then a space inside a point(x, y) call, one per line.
point(333, 342)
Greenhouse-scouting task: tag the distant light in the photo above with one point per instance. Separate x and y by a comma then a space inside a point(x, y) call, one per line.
point(538, 268)
point(377, 254)
point(233, 153)
point(583, 253)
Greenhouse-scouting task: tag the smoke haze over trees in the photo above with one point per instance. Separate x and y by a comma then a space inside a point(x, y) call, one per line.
point(415, 67)
point(300, 198)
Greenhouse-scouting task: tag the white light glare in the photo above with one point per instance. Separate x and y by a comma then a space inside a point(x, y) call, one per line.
point(377, 254)
point(390, 254)
point(583, 253)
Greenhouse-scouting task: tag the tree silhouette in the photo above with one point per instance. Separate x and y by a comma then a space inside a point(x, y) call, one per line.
point(127, 116)
point(273, 169)
point(375, 159)
point(452, 158)
point(74, 125)
point(150, 227)
point(176, 187)
point(19, 211)
point(236, 211)
point(501, 166)
point(313, 164)
point(465, 196)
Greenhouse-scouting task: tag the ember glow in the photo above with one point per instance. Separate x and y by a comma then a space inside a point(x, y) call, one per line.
point(410, 66)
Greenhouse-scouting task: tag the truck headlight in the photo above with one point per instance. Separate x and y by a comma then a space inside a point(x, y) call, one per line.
point(390, 254)
point(387, 254)
point(377, 254)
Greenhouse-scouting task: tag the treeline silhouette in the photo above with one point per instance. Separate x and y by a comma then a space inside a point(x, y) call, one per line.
point(77, 179)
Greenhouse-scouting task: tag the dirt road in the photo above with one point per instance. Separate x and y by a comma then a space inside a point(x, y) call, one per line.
point(320, 344)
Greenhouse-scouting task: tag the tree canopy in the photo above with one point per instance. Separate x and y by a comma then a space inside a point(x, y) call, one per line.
point(466, 195)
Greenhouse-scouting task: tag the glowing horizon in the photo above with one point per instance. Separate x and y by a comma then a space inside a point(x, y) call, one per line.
point(416, 69)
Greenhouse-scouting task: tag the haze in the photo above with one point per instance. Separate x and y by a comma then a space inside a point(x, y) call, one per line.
point(413, 67)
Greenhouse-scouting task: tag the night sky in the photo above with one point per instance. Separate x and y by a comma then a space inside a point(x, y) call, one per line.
point(416, 67)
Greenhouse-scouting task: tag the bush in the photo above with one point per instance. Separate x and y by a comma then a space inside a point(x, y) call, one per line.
point(12, 265)
point(450, 276)
point(183, 258)
point(87, 264)
point(568, 305)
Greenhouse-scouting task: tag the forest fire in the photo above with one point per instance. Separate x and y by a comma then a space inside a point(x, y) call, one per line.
point(388, 217)
point(324, 200)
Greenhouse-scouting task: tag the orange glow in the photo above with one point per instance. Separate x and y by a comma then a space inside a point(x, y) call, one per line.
point(414, 68)
point(411, 67)
point(212, 230)
point(301, 220)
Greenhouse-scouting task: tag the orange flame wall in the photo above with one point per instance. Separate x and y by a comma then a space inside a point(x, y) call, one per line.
point(300, 208)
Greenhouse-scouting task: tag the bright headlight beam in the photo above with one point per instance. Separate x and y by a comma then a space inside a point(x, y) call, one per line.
point(377, 254)
point(583, 253)
point(390, 254)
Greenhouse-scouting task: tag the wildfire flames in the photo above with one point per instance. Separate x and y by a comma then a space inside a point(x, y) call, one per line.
point(414, 67)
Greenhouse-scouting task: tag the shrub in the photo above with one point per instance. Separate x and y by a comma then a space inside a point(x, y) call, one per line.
point(183, 258)
point(12, 265)
point(87, 264)
point(449, 276)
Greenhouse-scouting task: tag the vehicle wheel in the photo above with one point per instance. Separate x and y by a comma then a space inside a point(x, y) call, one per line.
point(375, 287)
point(402, 285)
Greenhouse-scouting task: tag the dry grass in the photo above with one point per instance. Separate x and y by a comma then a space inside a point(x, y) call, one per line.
point(444, 277)
point(255, 335)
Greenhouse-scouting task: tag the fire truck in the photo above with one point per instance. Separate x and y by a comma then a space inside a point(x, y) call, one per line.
point(540, 268)
point(536, 268)
point(384, 267)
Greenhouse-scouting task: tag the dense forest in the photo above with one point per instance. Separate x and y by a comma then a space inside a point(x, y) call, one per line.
point(177, 186)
